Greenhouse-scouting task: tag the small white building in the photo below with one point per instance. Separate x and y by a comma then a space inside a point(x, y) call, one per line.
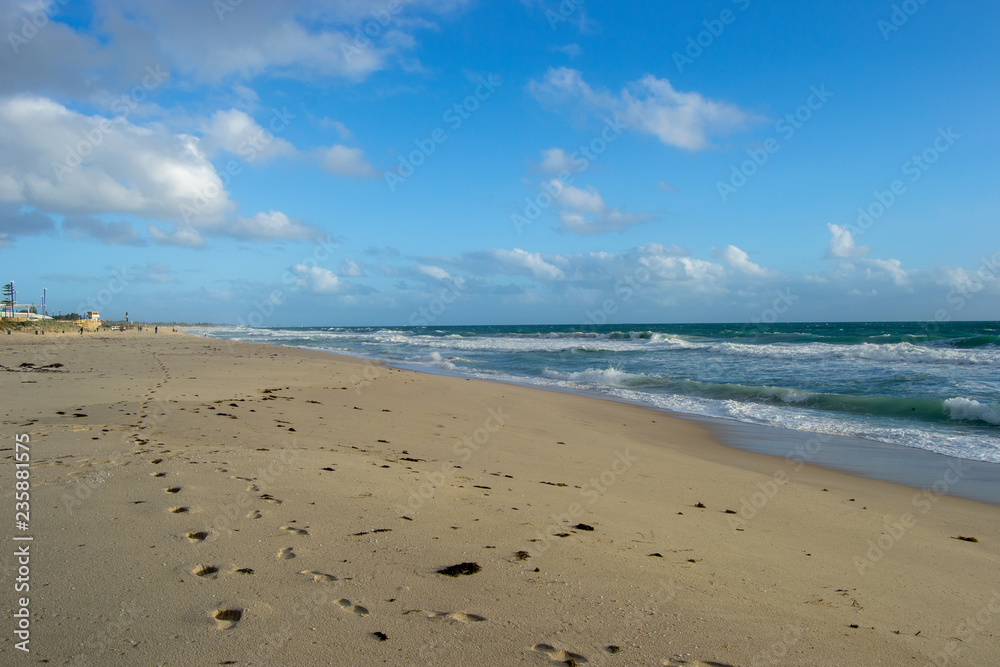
point(93, 315)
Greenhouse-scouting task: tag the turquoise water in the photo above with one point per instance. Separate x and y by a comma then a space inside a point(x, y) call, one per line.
point(925, 385)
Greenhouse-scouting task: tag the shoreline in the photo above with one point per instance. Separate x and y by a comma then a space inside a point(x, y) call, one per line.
point(259, 504)
point(913, 467)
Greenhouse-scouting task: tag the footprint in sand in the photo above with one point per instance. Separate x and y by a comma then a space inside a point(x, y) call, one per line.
point(253, 488)
point(451, 616)
point(347, 605)
point(295, 531)
point(157, 474)
point(197, 536)
point(694, 663)
point(205, 571)
point(227, 618)
point(269, 498)
point(172, 489)
point(179, 510)
point(319, 576)
point(255, 515)
point(285, 554)
point(559, 655)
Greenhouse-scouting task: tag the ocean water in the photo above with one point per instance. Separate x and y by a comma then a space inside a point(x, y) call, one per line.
point(932, 386)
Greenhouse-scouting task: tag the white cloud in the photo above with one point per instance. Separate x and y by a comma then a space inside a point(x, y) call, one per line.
point(351, 269)
point(886, 268)
point(842, 244)
point(586, 212)
point(316, 279)
point(555, 160)
point(699, 273)
point(236, 132)
point(435, 272)
point(738, 260)
point(57, 160)
point(273, 225)
point(685, 120)
point(530, 263)
point(651, 105)
point(61, 161)
point(342, 131)
point(665, 187)
point(182, 236)
point(345, 161)
point(578, 199)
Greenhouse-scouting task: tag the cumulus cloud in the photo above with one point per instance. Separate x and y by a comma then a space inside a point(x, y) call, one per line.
point(738, 260)
point(842, 244)
point(529, 263)
point(886, 268)
point(316, 279)
point(273, 225)
point(685, 120)
point(342, 131)
point(585, 211)
point(351, 269)
point(57, 160)
point(344, 161)
point(555, 160)
point(182, 236)
point(62, 161)
point(435, 272)
point(236, 132)
point(667, 266)
point(698, 274)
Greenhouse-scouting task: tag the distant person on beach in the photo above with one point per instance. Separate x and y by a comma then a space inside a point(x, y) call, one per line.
point(156, 330)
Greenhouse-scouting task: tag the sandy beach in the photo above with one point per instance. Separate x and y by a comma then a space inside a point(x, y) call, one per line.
point(197, 502)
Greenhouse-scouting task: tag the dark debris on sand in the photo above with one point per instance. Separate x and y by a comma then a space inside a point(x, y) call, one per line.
point(460, 569)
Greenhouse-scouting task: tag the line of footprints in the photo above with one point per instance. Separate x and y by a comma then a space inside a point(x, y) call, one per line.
point(227, 618)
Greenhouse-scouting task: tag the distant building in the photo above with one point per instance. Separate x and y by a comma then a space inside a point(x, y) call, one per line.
point(93, 315)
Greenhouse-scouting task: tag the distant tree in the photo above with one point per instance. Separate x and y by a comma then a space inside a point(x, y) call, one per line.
point(8, 299)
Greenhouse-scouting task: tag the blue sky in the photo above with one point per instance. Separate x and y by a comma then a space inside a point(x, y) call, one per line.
point(442, 162)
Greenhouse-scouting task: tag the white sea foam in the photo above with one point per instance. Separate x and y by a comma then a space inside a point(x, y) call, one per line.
point(971, 409)
point(601, 377)
point(889, 352)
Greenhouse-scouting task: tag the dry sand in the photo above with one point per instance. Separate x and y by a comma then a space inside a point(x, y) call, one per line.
point(195, 502)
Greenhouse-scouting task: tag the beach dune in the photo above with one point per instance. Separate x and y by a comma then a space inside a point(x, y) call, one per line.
point(202, 502)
